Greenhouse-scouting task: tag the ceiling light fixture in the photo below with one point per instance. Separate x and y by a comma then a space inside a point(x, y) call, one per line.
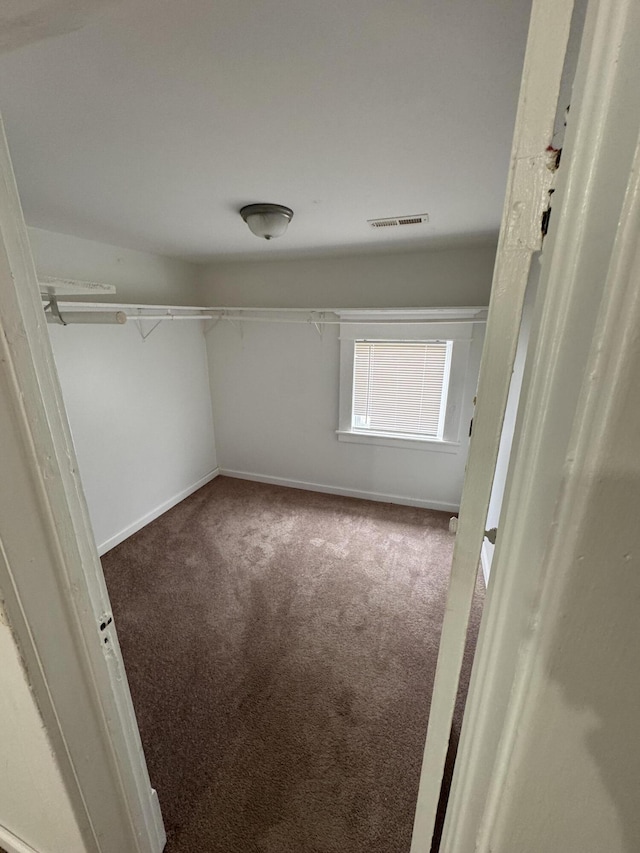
point(267, 220)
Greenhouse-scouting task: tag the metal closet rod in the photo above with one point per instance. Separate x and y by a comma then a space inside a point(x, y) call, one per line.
point(120, 318)
point(95, 312)
point(397, 309)
point(65, 318)
point(170, 317)
point(324, 322)
point(319, 315)
point(129, 306)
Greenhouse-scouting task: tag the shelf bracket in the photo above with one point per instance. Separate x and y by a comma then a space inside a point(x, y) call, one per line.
point(317, 320)
point(237, 324)
point(144, 335)
point(210, 326)
point(52, 305)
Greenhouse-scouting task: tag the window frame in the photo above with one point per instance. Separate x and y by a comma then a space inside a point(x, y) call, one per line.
point(439, 434)
point(460, 334)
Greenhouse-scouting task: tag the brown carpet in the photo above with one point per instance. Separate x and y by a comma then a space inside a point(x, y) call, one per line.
point(281, 647)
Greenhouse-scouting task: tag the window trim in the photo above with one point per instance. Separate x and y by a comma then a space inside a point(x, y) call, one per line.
point(386, 439)
point(459, 333)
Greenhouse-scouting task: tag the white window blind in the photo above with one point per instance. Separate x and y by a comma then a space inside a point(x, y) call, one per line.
point(400, 387)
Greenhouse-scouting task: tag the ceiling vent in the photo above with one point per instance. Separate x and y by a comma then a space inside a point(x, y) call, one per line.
point(394, 221)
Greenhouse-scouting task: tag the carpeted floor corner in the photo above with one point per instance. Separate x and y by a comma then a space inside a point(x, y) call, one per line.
point(280, 647)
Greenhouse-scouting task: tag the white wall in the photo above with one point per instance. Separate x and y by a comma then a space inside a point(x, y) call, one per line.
point(138, 276)
point(275, 386)
point(275, 400)
point(458, 275)
point(34, 807)
point(140, 412)
point(140, 416)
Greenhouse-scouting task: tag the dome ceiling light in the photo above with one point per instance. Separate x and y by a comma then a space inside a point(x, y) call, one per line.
point(267, 220)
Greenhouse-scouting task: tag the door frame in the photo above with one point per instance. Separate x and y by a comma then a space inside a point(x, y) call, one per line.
point(531, 175)
point(584, 322)
point(55, 598)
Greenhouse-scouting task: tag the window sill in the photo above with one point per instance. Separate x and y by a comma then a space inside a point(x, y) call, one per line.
point(431, 444)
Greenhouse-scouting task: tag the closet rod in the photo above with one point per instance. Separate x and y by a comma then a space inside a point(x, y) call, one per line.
point(170, 316)
point(115, 317)
point(344, 312)
point(105, 312)
point(72, 317)
point(119, 317)
point(386, 321)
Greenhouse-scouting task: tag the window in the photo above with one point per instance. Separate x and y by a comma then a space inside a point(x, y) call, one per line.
point(403, 383)
point(400, 388)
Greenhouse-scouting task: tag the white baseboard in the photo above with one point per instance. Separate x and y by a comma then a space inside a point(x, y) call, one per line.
point(337, 490)
point(154, 513)
point(12, 844)
point(485, 561)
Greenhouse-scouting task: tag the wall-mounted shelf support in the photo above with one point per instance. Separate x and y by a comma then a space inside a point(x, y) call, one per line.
point(318, 322)
point(144, 335)
point(52, 305)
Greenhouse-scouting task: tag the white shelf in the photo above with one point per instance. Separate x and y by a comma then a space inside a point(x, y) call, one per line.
point(50, 286)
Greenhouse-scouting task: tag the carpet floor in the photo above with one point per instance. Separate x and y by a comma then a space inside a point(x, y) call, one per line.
point(280, 647)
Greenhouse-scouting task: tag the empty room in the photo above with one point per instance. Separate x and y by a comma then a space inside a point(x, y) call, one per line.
point(264, 236)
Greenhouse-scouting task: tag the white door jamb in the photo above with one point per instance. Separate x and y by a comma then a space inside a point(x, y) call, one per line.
point(527, 196)
point(584, 319)
point(50, 574)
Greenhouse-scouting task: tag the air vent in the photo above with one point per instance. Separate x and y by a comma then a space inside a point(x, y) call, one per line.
point(394, 221)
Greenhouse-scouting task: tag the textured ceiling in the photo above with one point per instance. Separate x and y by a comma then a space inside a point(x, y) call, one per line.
point(149, 123)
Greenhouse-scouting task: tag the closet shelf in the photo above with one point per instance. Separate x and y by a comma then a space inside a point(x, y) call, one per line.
point(50, 286)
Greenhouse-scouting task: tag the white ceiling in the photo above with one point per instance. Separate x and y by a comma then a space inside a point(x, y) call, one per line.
point(149, 123)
